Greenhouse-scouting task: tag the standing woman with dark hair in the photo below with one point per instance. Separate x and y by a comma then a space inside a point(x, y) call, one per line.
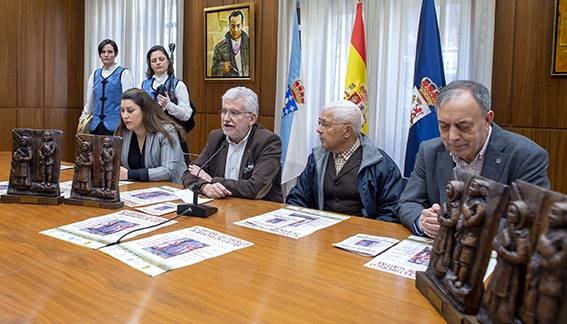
point(104, 88)
point(168, 92)
point(150, 141)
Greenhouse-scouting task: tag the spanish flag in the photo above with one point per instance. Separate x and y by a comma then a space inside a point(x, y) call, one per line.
point(355, 84)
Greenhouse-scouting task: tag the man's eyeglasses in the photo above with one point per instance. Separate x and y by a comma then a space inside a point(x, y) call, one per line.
point(326, 124)
point(233, 113)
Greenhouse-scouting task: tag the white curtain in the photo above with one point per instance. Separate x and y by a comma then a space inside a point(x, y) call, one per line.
point(136, 26)
point(467, 36)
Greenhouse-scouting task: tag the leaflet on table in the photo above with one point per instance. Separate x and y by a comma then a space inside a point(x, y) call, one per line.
point(98, 231)
point(291, 221)
point(411, 255)
point(404, 258)
point(160, 253)
point(149, 196)
point(367, 245)
point(159, 209)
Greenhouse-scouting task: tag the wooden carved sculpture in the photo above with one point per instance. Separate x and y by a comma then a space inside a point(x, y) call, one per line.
point(95, 182)
point(513, 245)
point(441, 256)
point(547, 269)
point(36, 158)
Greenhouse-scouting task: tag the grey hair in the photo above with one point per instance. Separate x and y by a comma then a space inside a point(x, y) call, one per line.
point(478, 91)
point(346, 112)
point(248, 96)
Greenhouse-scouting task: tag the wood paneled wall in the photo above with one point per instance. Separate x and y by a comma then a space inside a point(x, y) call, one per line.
point(206, 94)
point(41, 67)
point(526, 98)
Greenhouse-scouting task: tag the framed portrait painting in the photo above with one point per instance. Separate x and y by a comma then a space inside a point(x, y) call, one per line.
point(559, 61)
point(229, 42)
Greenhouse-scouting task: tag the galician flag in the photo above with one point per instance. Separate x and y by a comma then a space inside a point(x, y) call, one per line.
point(356, 89)
point(293, 126)
point(428, 78)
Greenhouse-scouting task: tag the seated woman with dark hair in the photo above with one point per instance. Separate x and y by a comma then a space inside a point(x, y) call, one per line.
point(150, 144)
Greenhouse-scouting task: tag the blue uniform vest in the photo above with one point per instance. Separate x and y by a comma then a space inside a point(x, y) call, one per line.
point(107, 92)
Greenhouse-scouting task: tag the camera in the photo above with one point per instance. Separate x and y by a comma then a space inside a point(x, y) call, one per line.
point(161, 90)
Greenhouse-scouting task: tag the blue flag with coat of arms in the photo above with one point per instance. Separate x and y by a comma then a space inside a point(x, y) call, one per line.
point(429, 77)
point(293, 125)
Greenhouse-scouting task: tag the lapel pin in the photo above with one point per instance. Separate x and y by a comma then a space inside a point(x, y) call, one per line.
point(498, 160)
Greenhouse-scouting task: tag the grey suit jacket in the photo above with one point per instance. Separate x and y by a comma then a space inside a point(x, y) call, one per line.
point(163, 161)
point(508, 157)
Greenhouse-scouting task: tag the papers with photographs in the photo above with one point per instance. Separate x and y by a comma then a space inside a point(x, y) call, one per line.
point(159, 209)
point(367, 245)
point(149, 196)
point(405, 258)
point(160, 253)
point(99, 231)
point(292, 221)
point(412, 255)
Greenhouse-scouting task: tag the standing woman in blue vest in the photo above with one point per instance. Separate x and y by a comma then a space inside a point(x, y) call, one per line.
point(104, 88)
point(168, 92)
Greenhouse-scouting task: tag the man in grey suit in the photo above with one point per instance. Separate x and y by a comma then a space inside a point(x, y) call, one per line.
point(470, 140)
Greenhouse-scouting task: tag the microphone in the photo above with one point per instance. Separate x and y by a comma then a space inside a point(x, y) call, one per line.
point(196, 209)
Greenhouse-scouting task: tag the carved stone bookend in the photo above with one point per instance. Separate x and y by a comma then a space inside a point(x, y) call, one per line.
point(35, 167)
point(97, 172)
point(514, 244)
point(469, 221)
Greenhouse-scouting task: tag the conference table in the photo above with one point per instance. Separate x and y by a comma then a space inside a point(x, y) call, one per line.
point(277, 280)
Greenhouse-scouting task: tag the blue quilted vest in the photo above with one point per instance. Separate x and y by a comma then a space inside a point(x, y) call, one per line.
point(107, 92)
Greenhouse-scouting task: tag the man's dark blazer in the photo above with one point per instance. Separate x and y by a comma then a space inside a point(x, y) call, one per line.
point(508, 157)
point(260, 171)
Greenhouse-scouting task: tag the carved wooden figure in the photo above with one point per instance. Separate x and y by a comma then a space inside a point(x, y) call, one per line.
point(36, 158)
point(513, 245)
point(21, 159)
point(95, 183)
point(441, 256)
point(107, 157)
point(547, 270)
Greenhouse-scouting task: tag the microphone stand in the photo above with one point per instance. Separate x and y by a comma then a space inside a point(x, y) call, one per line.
point(196, 209)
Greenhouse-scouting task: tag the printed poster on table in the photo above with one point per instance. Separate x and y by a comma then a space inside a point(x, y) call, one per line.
point(292, 221)
point(411, 255)
point(160, 253)
point(97, 232)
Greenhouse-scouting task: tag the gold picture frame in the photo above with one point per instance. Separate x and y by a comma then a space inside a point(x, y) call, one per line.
point(225, 57)
point(559, 61)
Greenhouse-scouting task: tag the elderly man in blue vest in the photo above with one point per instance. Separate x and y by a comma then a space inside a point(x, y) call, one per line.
point(470, 140)
point(348, 174)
